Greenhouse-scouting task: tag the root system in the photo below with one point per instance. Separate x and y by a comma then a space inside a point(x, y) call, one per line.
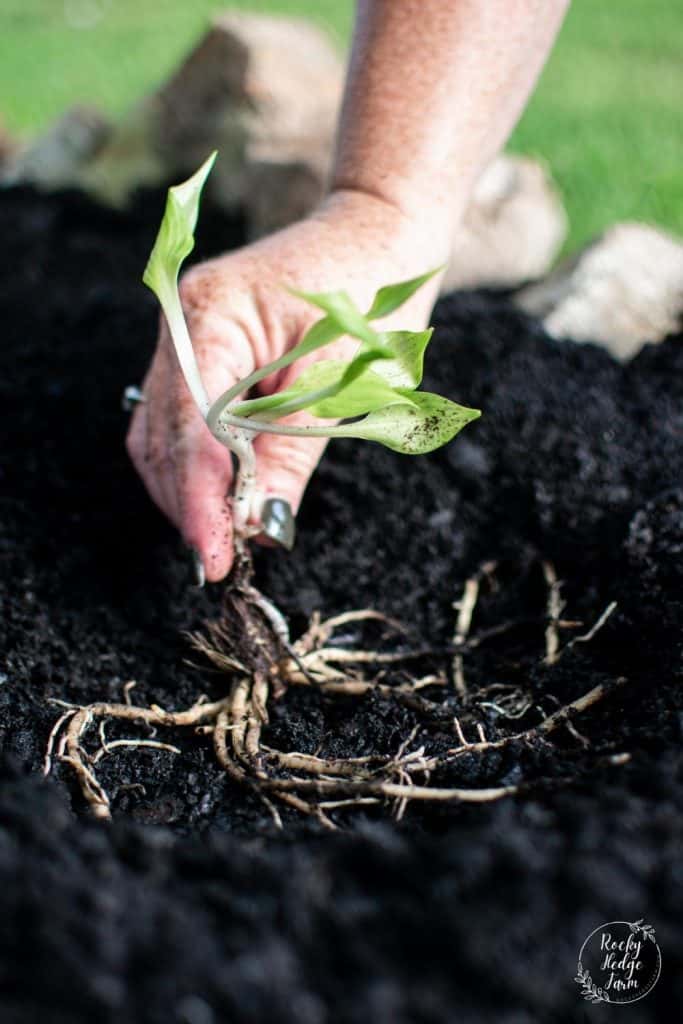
point(250, 644)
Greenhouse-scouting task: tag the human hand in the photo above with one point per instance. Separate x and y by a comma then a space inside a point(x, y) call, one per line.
point(240, 316)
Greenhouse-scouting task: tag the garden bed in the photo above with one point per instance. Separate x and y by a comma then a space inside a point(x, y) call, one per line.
point(194, 906)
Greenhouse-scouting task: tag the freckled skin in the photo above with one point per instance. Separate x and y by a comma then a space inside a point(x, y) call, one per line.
point(433, 90)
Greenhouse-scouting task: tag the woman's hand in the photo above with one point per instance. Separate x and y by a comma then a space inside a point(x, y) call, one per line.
point(240, 317)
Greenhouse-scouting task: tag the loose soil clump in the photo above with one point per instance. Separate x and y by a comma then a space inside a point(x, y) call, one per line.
point(503, 616)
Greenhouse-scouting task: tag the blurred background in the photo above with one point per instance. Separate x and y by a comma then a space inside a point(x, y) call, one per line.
point(605, 118)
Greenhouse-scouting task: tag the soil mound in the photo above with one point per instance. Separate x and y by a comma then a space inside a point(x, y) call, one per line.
point(191, 907)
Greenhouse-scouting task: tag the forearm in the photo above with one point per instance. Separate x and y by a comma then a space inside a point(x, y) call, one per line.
point(433, 91)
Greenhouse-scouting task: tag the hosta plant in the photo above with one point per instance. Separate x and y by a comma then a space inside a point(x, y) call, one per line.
point(374, 392)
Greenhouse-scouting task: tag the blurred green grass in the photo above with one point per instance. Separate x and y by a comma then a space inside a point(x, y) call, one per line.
point(605, 117)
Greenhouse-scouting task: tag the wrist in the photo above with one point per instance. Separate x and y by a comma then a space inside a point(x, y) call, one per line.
point(422, 233)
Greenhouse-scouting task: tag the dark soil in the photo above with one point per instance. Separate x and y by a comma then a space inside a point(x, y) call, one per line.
point(191, 907)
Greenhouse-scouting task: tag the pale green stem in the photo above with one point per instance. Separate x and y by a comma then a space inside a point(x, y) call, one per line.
point(236, 434)
point(223, 421)
point(175, 318)
point(240, 443)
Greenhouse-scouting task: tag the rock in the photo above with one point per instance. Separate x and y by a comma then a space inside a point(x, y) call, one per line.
point(54, 160)
point(622, 291)
point(262, 90)
point(278, 193)
point(513, 229)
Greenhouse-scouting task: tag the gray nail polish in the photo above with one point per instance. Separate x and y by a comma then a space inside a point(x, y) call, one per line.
point(198, 565)
point(278, 522)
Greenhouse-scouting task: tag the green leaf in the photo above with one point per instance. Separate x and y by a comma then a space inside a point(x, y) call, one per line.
point(321, 333)
point(394, 415)
point(418, 424)
point(341, 309)
point(174, 242)
point(355, 396)
point(344, 317)
point(394, 295)
point(330, 389)
point(405, 367)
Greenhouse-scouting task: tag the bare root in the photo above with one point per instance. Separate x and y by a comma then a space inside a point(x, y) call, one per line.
point(465, 609)
point(311, 784)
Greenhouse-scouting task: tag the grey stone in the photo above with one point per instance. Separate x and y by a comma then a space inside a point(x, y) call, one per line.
point(54, 159)
point(622, 290)
point(513, 229)
point(262, 90)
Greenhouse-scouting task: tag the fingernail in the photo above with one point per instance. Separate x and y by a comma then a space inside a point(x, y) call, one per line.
point(277, 522)
point(198, 565)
